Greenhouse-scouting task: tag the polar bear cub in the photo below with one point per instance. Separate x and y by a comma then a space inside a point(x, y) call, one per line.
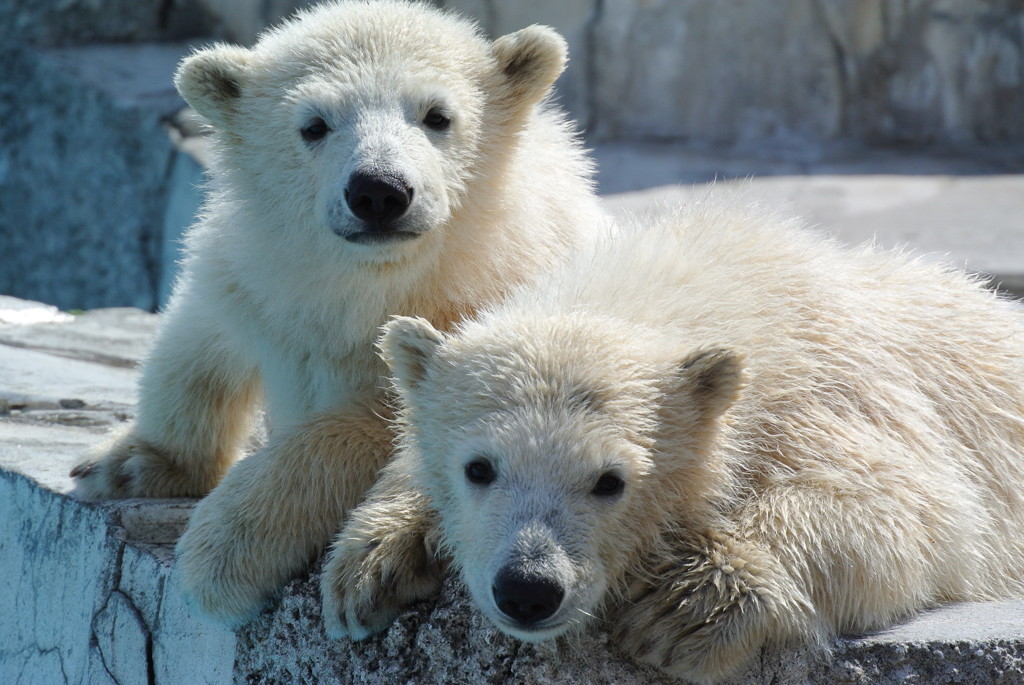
point(373, 158)
point(720, 431)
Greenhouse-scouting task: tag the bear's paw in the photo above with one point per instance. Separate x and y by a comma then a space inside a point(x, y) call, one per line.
point(369, 579)
point(704, 609)
point(132, 467)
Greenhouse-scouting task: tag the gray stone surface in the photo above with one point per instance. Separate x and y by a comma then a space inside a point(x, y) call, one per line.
point(74, 22)
point(86, 165)
point(242, 20)
point(975, 221)
point(89, 594)
point(96, 185)
point(788, 72)
point(447, 641)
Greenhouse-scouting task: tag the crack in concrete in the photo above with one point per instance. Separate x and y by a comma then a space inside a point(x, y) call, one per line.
point(36, 650)
point(147, 632)
point(114, 587)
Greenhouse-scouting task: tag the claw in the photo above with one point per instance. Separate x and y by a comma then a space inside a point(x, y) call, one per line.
point(83, 470)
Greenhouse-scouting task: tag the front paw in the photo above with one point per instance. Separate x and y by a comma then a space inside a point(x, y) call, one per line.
point(132, 467)
point(703, 612)
point(368, 579)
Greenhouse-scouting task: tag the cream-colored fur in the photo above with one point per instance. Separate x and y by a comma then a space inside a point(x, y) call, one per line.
point(810, 440)
point(279, 299)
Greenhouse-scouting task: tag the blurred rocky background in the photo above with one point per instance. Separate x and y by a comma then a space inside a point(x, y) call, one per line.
point(100, 168)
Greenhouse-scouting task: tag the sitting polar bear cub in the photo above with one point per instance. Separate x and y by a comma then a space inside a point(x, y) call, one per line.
point(719, 431)
point(374, 158)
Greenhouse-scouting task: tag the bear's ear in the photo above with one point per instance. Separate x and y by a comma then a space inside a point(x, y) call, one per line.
point(407, 344)
point(529, 61)
point(704, 385)
point(211, 81)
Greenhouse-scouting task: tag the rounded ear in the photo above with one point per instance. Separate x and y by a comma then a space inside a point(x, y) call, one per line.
point(211, 81)
point(407, 344)
point(711, 380)
point(529, 61)
point(702, 388)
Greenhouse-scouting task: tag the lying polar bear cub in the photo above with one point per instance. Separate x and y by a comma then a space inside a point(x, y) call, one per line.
point(720, 431)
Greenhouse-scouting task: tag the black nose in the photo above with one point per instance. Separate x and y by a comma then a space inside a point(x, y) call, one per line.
point(378, 200)
point(526, 599)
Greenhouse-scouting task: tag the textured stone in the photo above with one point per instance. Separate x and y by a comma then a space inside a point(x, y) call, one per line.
point(121, 638)
point(971, 220)
point(85, 164)
point(89, 593)
point(442, 641)
point(447, 641)
point(928, 70)
point(572, 18)
point(687, 69)
point(787, 73)
point(242, 20)
point(74, 22)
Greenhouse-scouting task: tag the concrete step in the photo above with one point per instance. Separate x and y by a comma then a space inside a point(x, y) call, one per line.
point(91, 595)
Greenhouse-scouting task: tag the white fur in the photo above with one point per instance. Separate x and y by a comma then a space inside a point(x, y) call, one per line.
point(276, 301)
point(812, 440)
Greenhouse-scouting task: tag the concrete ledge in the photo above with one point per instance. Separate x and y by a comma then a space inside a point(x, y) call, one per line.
point(88, 596)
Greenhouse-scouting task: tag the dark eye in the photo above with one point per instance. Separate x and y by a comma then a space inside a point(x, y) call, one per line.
point(315, 130)
point(608, 485)
point(437, 120)
point(479, 472)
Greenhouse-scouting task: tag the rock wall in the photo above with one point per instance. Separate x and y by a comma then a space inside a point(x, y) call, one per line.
point(95, 193)
point(85, 171)
point(746, 72)
point(786, 72)
point(86, 160)
point(54, 23)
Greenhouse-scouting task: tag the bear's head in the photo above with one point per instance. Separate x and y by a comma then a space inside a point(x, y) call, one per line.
point(554, 455)
point(368, 122)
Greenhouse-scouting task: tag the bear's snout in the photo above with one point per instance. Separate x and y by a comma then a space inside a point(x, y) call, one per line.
point(377, 199)
point(526, 599)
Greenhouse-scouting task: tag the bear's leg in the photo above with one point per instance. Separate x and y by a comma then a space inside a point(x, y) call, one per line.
point(384, 559)
point(881, 545)
point(196, 399)
point(704, 605)
point(276, 510)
